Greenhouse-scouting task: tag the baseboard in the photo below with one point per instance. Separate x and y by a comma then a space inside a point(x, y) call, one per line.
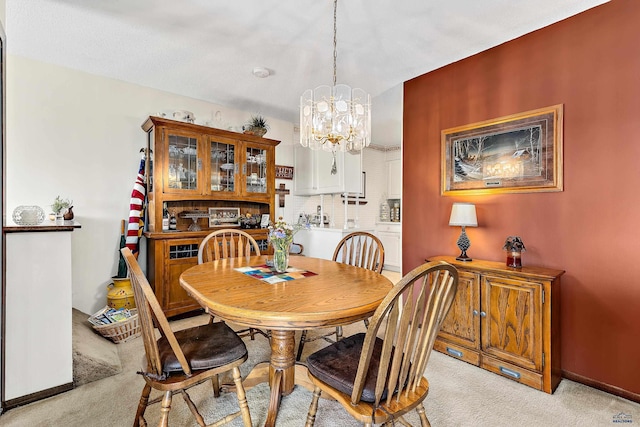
point(43, 394)
point(617, 391)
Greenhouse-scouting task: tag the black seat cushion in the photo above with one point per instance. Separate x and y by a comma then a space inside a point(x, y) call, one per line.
point(337, 365)
point(205, 347)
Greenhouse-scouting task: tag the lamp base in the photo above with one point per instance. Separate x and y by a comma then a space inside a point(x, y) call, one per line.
point(463, 257)
point(463, 245)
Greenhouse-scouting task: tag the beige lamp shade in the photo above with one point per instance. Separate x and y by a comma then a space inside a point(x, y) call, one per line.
point(463, 214)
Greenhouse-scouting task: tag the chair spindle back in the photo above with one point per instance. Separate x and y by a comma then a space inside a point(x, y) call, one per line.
point(360, 249)
point(149, 311)
point(227, 243)
point(409, 319)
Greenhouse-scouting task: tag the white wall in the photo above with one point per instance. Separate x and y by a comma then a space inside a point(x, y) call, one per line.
point(78, 135)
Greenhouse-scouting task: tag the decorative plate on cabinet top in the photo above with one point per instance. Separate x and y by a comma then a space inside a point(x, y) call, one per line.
point(28, 215)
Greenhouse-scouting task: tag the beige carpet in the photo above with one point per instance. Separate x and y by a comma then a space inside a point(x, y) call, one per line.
point(461, 395)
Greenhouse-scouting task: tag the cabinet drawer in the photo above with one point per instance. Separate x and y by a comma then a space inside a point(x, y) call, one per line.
point(457, 351)
point(512, 371)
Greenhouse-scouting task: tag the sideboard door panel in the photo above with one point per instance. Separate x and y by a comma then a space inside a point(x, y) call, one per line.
point(462, 324)
point(512, 327)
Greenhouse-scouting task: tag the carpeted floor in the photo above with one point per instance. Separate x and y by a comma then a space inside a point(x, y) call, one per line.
point(461, 395)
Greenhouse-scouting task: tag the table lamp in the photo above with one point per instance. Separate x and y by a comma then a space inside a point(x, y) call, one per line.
point(464, 215)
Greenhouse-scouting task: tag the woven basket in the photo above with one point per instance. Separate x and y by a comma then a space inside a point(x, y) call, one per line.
point(122, 331)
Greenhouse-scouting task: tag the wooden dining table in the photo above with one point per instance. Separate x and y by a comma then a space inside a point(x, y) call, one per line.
point(337, 294)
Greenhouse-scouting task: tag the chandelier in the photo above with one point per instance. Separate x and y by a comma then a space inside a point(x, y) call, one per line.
point(335, 118)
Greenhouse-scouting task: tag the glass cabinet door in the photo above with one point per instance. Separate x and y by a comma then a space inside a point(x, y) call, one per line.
point(223, 166)
point(183, 163)
point(256, 170)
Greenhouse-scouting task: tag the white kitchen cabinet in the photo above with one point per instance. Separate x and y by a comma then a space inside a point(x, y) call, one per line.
point(391, 237)
point(313, 172)
point(394, 179)
point(320, 242)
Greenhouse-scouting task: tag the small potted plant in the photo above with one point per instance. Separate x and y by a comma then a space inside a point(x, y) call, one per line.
point(514, 248)
point(60, 206)
point(257, 125)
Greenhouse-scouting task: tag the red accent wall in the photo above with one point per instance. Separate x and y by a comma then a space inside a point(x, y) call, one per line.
point(591, 64)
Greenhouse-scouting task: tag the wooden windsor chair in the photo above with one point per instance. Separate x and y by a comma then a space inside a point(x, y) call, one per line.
point(183, 359)
point(230, 243)
point(360, 249)
point(378, 376)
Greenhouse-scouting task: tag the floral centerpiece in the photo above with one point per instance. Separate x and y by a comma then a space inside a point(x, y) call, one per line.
point(280, 237)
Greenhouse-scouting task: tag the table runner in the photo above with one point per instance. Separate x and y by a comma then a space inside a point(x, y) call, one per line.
point(269, 275)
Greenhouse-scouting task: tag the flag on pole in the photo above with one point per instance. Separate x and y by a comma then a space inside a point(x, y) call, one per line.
point(136, 210)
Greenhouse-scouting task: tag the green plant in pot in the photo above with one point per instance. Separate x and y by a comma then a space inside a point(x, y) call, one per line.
point(257, 125)
point(60, 205)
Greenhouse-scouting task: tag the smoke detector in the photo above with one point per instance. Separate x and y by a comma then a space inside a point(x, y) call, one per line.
point(261, 72)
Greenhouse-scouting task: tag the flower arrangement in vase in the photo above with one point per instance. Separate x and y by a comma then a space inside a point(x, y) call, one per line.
point(280, 237)
point(60, 207)
point(514, 247)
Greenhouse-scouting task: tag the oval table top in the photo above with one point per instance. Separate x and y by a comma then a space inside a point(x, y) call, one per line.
point(338, 294)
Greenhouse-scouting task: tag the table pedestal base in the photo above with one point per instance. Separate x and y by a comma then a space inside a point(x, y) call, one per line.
point(281, 372)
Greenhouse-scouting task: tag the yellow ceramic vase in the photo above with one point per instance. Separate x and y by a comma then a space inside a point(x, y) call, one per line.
point(120, 294)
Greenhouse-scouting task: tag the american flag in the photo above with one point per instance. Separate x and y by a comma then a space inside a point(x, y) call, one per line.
point(136, 210)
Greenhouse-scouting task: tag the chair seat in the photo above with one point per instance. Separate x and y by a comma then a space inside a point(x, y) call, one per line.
point(222, 346)
point(337, 364)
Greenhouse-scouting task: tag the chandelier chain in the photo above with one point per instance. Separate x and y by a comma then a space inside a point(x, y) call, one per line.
point(335, 40)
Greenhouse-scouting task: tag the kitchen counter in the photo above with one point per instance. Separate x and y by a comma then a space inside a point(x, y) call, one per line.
point(321, 242)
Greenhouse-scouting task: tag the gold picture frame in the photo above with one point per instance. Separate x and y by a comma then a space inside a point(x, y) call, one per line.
point(512, 154)
point(224, 217)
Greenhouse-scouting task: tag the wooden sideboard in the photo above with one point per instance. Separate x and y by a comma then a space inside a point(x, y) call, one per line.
point(505, 320)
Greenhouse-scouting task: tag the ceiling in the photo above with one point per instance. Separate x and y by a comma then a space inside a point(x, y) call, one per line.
point(207, 49)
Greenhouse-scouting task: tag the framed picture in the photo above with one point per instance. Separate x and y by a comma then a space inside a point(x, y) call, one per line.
point(517, 153)
point(224, 217)
point(264, 221)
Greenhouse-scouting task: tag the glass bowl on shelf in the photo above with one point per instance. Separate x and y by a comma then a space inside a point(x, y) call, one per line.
point(28, 215)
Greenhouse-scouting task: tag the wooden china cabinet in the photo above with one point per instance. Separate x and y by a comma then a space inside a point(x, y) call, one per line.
point(505, 320)
point(190, 169)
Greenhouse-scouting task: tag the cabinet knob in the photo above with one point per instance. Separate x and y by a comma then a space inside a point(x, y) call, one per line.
point(483, 314)
point(475, 312)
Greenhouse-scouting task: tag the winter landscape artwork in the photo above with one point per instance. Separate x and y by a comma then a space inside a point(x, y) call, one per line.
point(517, 153)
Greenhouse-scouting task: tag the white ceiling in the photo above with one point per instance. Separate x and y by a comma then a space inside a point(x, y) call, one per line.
point(207, 49)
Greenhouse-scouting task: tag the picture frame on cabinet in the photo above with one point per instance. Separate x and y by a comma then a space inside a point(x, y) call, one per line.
point(224, 217)
point(512, 154)
point(264, 221)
